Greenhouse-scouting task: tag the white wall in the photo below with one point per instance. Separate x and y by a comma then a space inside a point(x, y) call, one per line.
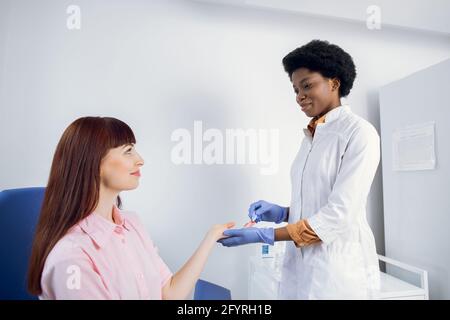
point(160, 65)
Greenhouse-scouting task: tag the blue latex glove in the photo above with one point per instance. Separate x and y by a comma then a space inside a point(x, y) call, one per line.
point(237, 237)
point(265, 211)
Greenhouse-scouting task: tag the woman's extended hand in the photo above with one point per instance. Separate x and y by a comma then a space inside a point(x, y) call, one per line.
point(216, 231)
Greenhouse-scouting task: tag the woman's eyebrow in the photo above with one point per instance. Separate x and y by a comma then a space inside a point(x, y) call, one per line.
point(128, 145)
point(305, 79)
point(301, 81)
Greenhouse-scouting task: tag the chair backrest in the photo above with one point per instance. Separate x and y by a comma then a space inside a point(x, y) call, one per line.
point(19, 212)
point(205, 290)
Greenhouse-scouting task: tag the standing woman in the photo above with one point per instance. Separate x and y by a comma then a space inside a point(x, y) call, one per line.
point(85, 246)
point(331, 251)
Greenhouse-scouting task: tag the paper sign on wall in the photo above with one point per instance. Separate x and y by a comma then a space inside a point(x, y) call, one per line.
point(413, 147)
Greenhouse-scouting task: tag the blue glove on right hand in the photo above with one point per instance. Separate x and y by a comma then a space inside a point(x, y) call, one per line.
point(265, 211)
point(237, 237)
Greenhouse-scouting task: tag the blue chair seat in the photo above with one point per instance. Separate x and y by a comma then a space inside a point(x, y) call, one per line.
point(205, 290)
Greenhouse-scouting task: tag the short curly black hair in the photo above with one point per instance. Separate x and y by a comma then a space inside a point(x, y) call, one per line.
point(327, 59)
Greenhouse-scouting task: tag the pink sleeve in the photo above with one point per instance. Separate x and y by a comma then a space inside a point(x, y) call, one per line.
point(73, 277)
point(164, 270)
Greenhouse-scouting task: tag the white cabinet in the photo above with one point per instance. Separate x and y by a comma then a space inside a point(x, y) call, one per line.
point(265, 277)
point(416, 203)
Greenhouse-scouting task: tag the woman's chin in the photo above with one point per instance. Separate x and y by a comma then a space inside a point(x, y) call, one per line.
point(131, 186)
point(135, 186)
point(308, 113)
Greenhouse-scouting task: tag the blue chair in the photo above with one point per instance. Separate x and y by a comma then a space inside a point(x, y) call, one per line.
point(19, 212)
point(205, 290)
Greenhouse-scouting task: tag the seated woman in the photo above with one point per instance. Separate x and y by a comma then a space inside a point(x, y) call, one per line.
point(85, 246)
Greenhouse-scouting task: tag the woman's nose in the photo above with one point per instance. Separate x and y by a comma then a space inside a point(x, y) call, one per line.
point(140, 161)
point(300, 98)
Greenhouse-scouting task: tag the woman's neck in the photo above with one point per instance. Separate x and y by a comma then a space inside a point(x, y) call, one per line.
point(106, 201)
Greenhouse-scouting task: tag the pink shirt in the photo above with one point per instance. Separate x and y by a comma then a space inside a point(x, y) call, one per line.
point(99, 259)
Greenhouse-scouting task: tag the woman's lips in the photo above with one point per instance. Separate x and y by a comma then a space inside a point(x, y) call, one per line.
point(137, 173)
point(305, 106)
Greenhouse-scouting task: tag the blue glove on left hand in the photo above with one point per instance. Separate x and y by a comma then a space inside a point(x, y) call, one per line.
point(265, 211)
point(237, 237)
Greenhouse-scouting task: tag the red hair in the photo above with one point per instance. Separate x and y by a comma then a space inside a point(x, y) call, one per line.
point(73, 187)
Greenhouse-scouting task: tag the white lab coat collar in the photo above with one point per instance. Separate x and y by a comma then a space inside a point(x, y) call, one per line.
point(335, 113)
point(331, 116)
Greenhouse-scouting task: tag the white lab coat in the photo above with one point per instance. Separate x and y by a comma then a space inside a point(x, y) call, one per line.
point(331, 179)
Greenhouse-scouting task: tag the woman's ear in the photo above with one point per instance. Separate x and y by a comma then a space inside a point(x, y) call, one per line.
point(335, 84)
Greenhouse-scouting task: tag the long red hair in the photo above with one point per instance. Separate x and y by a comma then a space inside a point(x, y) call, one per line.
point(73, 187)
